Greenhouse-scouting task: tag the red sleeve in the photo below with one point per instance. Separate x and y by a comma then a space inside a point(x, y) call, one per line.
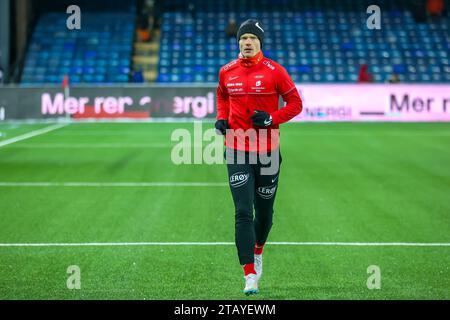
point(223, 102)
point(287, 90)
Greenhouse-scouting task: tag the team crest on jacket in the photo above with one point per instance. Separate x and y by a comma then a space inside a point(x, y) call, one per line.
point(239, 179)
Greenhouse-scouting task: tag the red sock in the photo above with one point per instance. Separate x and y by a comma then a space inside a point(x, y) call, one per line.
point(258, 249)
point(249, 268)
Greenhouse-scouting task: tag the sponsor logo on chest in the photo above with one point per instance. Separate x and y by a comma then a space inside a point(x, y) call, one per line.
point(252, 84)
point(235, 86)
point(258, 86)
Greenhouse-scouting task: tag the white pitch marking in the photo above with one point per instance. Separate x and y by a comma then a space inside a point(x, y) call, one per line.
point(32, 134)
point(113, 184)
point(124, 244)
point(92, 145)
point(98, 146)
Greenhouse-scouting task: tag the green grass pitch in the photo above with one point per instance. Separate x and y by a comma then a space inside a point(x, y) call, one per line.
point(340, 182)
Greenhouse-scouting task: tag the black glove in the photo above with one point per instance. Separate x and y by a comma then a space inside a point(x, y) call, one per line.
point(261, 119)
point(221, 126)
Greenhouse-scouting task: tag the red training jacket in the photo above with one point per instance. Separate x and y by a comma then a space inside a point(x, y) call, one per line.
point(245, 87)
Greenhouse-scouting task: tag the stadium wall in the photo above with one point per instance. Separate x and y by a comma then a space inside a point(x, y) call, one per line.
point(324, 102)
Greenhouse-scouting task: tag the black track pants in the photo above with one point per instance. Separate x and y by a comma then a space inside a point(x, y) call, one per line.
point(252, 187)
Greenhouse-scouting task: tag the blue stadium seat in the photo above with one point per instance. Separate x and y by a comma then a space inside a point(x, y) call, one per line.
point(309, 43)
point(106, 40)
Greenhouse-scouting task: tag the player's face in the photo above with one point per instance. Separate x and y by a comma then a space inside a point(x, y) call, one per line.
point(249, 45)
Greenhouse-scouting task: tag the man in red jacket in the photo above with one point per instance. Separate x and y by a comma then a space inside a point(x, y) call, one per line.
point(249, 116)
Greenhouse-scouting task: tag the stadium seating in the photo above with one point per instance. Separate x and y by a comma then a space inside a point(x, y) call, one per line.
point(317, 41)
point(98, 53)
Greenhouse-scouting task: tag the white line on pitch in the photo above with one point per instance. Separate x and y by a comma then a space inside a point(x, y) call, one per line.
point(125, 244)
point(99, 145)
point(92, 145)
point(32, 134)
point(113, 184)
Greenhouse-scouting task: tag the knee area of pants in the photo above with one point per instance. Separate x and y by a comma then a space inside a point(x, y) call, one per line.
point(264, 223)
point(244, 219)
point(261, 215)
point(244, 212)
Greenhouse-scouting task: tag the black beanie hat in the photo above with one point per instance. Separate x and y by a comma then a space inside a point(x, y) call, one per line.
point(252, 26)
